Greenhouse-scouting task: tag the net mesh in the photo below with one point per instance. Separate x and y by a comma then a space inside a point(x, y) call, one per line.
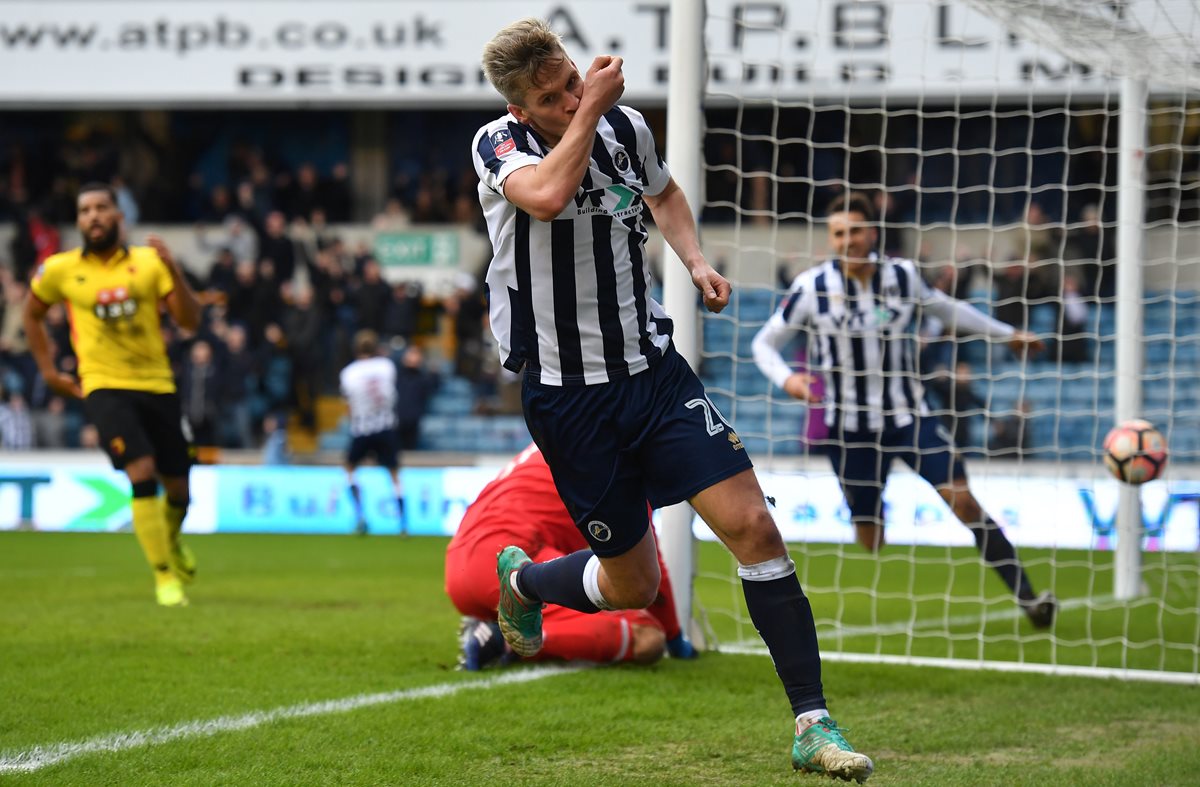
point(986, 134)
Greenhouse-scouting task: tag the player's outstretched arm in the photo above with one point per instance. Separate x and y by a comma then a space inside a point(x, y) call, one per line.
point(181, 301)
point(966, 319)
point(544, 190)
point(38, 338)
point(674, 219)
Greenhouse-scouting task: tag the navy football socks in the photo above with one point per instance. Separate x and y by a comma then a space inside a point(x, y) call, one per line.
point(558, 581)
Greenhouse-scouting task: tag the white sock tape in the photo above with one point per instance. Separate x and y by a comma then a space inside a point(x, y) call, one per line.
point(591, 583)
point(775, 568)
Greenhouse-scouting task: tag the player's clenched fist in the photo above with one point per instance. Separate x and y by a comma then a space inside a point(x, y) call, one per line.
point(605, 81)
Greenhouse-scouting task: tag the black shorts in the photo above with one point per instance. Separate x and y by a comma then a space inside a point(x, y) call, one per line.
point(383, 445)
point(133, 424)
point(612, 447)
point(862, 461)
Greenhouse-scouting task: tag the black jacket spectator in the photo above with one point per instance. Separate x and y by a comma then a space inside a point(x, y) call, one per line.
point(414, 386)
point(371, 299)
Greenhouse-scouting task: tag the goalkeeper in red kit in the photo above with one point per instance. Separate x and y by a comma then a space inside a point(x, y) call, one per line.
point(521, 506)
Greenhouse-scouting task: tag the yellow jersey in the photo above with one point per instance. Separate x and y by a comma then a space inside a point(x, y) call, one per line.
point(112, 306)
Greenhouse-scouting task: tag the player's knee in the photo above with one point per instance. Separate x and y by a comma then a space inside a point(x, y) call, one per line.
point(869, 535)
point(759, 539)
point(967, 510)
point(649, 644)
point(634, 596)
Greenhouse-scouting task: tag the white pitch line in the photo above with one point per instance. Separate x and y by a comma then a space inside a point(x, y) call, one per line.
point(40, 757)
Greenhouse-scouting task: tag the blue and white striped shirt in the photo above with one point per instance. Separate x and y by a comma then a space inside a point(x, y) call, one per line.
point(570, 298)
point(861, 337)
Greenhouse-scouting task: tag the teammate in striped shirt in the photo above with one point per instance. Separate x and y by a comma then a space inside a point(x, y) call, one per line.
point(369, 385)
point(858, 310)
point(564, 180)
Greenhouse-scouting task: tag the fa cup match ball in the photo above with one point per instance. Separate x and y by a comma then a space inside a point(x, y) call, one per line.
point(1135, 452)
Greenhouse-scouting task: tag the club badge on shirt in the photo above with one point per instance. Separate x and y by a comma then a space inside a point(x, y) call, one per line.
point(502, 142)
point(621, 160)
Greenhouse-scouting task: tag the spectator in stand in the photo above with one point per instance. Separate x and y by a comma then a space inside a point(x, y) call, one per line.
point(50, 424)
point(236, 237)
point(275, 448)
point(1011, 435)
point(468, 308)
point(403, 311)
point(126, 202)
point(415, 384)
point(1011, 294)
point(1093, 248)
point(267, 299)
point(46, 240)
point(336, 194)
point(89, 436)
point(1074, 345)
point(1043, 249)
point(302, 324)
point(14, 350)
point(239, 306)
point(371, 298)
point(274, 244)
point(393, 218)
point(305, 194)
point(22, 248)
point(239, 378)
point(199, 393)
point(222, 276)
point(219, 205)
point(275, 367)
point(16, 424)
point(431, 205)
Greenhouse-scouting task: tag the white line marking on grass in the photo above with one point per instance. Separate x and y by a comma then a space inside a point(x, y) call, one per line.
point(1149, 676)
point(40, 757)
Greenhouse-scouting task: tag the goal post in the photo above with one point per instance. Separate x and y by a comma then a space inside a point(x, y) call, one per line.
point(1131, 207)
point(1000, 139)
point(684, 140)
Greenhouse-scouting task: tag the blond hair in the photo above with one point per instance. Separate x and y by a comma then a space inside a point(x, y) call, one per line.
point(515, 57)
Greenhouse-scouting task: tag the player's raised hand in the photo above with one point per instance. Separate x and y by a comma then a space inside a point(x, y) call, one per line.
point(800, 386)
point(160, 246)
point(713, 287)
point(604, 82)
point(1024, 341)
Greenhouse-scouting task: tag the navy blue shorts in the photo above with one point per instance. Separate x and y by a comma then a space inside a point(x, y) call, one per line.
point(612, 447)
point(382, 445)
point(862, 460)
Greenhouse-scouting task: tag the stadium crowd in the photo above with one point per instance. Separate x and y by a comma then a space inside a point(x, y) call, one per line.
point(284, 293)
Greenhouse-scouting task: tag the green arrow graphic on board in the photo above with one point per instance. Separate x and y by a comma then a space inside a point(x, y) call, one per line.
point(113, 499)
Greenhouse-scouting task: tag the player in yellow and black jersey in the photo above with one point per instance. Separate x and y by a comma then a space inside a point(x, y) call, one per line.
point(112, 294)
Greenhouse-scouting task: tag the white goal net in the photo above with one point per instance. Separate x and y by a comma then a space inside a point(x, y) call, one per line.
point(987, 136)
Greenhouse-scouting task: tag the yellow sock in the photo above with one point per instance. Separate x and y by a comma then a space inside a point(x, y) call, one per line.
point(150, 526)
point(174, 515)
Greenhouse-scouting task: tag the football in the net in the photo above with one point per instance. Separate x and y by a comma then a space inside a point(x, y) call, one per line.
point(1135, 452)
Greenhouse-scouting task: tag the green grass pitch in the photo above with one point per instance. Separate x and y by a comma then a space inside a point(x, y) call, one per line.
point(281, 622)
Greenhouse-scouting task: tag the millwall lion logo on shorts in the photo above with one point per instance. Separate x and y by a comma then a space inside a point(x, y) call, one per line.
point(599, 530)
